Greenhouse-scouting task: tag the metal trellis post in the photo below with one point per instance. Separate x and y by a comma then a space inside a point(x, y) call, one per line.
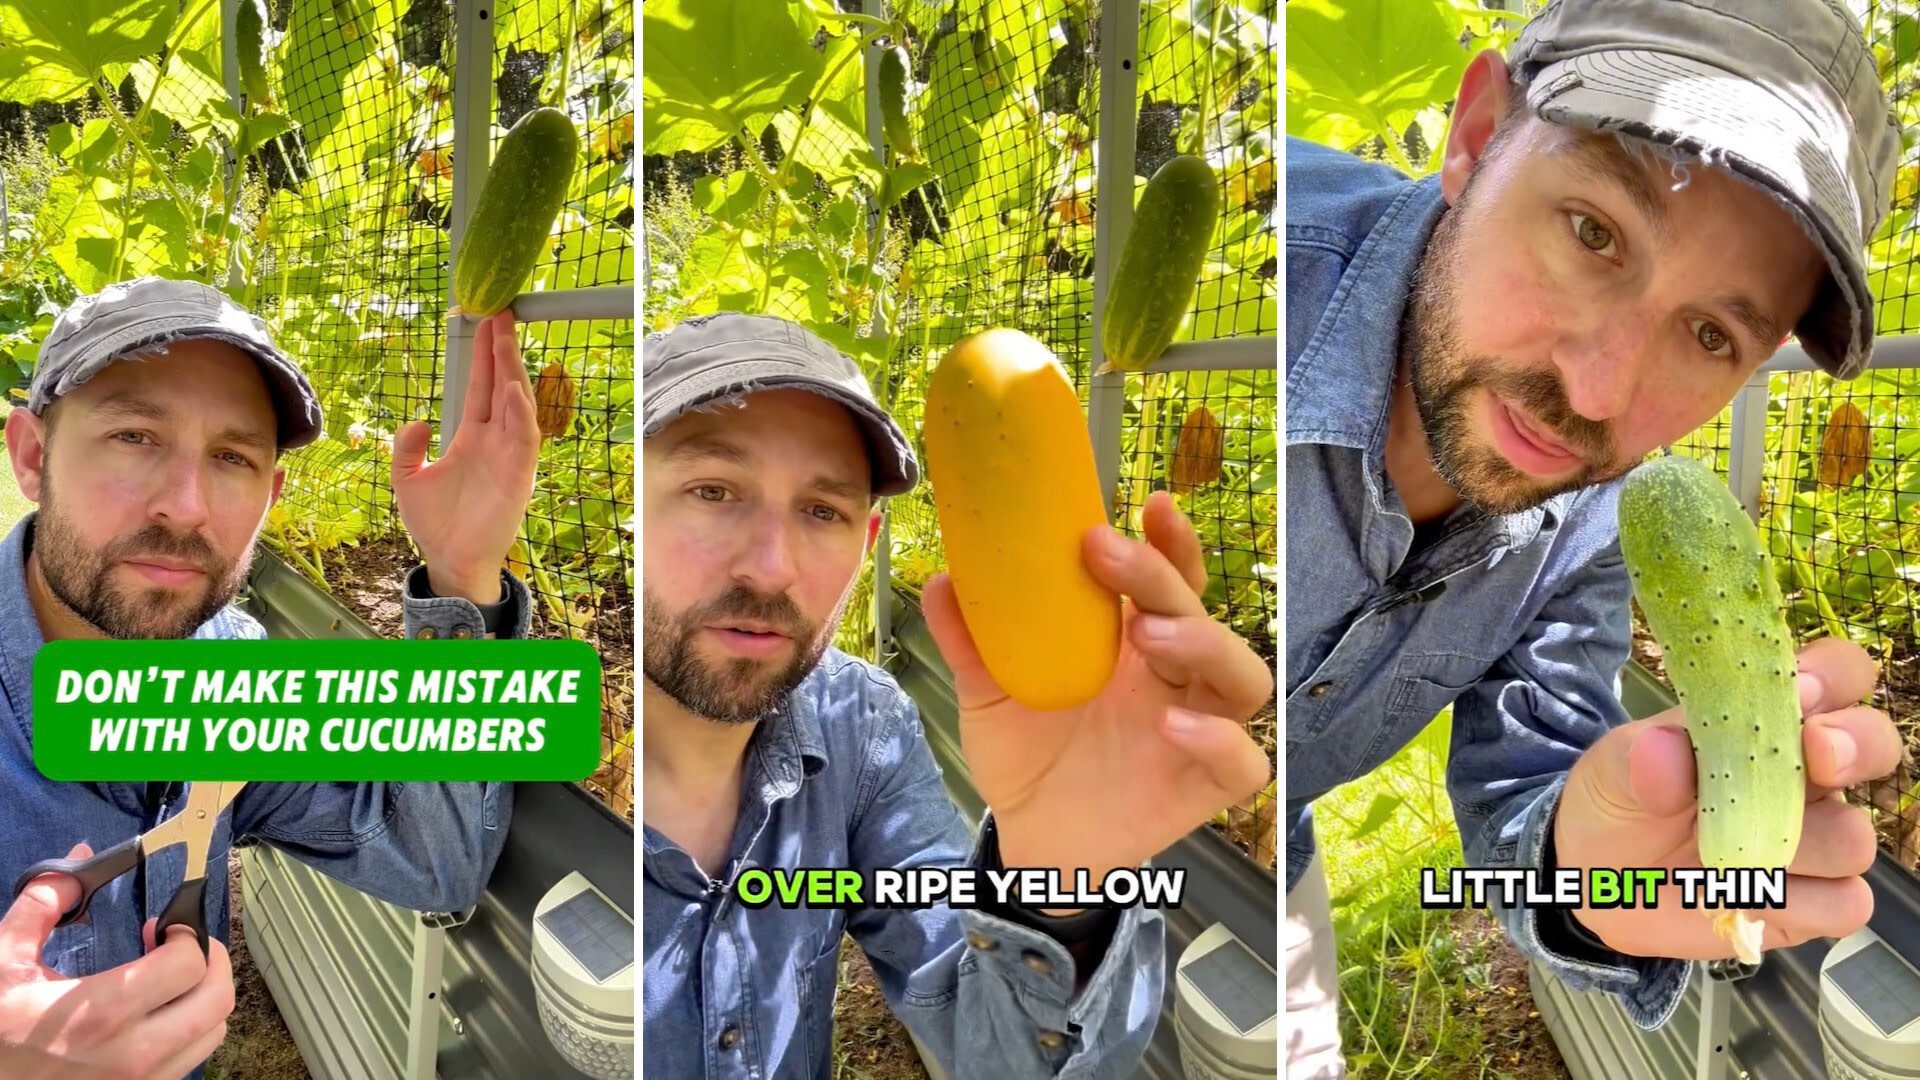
point(230, 77)
point(472, 152)
point(1113, 178)
point(1747, 443)
point(876, 233)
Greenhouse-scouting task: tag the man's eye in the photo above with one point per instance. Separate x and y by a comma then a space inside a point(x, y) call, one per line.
point(826, 513)
point(710, 492)
point(129, 436)
point(1592, 235)
point(1714, 340)
point(237, 459)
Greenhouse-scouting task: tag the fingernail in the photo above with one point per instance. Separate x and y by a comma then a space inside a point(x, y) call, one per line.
point(1843, 749)
point(1156, 627)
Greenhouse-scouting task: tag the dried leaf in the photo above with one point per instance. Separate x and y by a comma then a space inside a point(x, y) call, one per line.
point(554, 395)
point(1846, 446)
point(1198, 453)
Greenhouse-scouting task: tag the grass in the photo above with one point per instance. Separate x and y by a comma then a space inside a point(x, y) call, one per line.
point(1423, 993)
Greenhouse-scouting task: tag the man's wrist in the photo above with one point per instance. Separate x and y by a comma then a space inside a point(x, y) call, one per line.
point(1072, 927)
point(483, 590)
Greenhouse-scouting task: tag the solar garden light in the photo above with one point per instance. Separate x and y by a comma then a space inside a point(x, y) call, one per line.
point(1226, 1009)
point(583, 978)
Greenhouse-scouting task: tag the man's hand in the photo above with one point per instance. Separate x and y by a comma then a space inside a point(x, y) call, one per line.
point(156, 1018)
point(1161, 750)
point(1631, 801)
point(464, 509)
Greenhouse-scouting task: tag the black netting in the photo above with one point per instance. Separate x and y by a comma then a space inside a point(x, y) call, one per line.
point(355, 279)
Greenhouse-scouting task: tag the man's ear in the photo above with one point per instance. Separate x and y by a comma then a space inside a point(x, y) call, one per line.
point(873, 528)
point(279, 480)
point(26, 447)
point(1482, 103)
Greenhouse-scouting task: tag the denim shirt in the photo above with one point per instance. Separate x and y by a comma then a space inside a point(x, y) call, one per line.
point(843, 777)
point(425, 846)
point(1520, 621)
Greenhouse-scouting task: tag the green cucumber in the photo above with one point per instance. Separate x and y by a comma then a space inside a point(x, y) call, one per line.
point(513, 218)
point(1710, 596)
point(1160, 265)
point(250, 50)
point(894, 66)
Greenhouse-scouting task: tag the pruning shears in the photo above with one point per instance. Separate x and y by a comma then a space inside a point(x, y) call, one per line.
point(192, 826)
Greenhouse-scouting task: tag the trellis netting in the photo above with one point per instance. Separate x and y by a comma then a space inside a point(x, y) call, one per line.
point(990, 215)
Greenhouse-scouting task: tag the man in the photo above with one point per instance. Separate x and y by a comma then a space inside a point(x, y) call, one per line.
point(1633, 211)
point(764, 455)
point(151, 441)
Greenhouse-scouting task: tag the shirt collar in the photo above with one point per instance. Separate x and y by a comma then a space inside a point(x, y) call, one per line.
point(1339, 387)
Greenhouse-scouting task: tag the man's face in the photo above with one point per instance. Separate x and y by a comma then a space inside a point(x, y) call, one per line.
point(757, 519)
point(1573, 312)
point(153, 485)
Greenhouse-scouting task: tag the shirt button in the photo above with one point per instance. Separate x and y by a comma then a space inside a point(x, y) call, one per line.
point(1037, 963)
point(462, 632)
point(981, 941)
point(427, 632)
point(1320, 689)
point(730, 1038)
point(1052, 1040)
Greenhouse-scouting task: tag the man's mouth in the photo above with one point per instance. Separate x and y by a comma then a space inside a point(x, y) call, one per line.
point(166, 571)
point(1527, 443)
point(750, 638)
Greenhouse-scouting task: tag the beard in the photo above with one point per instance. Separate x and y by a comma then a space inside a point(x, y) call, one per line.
point(741, 690)
point(81, 578)
point(1445, 374)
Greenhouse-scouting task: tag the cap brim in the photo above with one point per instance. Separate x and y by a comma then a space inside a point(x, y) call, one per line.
point(1782, 146)
point(895, 470)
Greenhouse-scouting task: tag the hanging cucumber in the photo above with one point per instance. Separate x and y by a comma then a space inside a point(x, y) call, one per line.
point(1711, 599)
point(1160, 265)
point(250, 50)
point(511, 221)
point(894, 68)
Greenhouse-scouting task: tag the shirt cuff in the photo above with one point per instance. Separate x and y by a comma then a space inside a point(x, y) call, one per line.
point(1649, 987)
point(428, 616)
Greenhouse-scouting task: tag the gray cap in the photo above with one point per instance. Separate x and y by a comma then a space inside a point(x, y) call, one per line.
point(1783, 92)
point(712, 357)
point(135, 318)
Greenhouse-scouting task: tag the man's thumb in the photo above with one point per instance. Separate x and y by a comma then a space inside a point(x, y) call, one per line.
point(1653, 771)
point(37, 911)
point(410, 447)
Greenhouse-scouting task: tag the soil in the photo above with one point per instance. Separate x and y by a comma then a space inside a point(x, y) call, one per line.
point(1519, 1046)
point(871, 1043)
point(258, 1045)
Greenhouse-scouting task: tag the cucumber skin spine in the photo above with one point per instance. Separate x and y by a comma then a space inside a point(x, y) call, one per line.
point(1711, 599)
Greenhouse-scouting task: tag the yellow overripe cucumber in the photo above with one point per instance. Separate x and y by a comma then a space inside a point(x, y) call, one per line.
point(1016, 489)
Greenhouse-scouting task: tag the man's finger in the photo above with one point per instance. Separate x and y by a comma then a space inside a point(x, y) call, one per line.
point(480, 381)
point(1836, 841)
point(410, 448)
point(1199, 649)
point(161, 976)
point(973, 685)
point(1834, 673)
point(1168, 529)
point(37, 911)
point(1140, 571)
point(195, 1022)
point(1230, 763)
point(1848, 746)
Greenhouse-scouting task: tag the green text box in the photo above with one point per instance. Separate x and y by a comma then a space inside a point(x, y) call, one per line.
point(321, 710)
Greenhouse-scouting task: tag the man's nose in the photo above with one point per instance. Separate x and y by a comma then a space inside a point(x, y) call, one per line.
point(182, 499)
point(767, 562)
point(1602, 362)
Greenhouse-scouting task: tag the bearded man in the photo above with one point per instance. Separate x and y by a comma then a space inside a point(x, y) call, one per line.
point(764, 456)
point(1634, 209)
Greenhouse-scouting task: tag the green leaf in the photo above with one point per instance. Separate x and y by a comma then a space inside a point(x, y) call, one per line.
point(261, 129)
point(832, 146)
point(189, 97)
point(728, 198)
point(901, 181)
point(64, 46)
point(1352, 68)
point(713, 70)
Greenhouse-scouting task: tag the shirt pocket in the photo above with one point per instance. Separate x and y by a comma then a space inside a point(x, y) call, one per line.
point(818, 979)
point(1423, 684)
